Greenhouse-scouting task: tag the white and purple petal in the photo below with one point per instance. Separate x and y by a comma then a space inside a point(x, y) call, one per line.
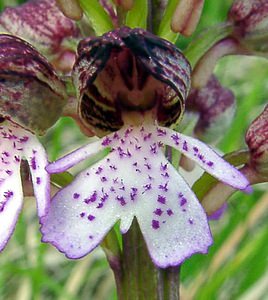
point(205, 157)
point(135, 179)
point(15, 144)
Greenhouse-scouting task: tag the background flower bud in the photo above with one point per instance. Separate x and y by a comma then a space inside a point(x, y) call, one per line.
point(257, 141)
point(126, 4)
point(250, 19)
point(71, 9)
point(32, 95)
point(215, 106)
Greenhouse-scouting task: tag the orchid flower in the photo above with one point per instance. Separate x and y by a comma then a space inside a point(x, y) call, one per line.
point(30, 89)
point(133, 84)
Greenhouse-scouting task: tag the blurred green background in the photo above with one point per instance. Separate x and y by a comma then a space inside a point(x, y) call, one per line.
point(237, 264)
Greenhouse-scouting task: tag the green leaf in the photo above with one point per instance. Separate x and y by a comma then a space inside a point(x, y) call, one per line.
point(137, 16)
point(165, 31)
point(98, 17)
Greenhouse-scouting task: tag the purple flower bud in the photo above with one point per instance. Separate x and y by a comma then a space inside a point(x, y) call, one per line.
point(215, 106)
point(129, 70)
point(250, 19)
point(257, 140)
point(32, 95)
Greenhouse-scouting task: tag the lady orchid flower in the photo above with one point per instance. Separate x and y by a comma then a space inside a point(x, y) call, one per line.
point(133, 84)
point(30, 89)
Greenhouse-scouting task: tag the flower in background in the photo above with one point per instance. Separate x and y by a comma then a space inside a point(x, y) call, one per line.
point(250, 21)
point(32, 98)
point(42, 24)
point(257, 141)
point(215, 106)
point(134, 84)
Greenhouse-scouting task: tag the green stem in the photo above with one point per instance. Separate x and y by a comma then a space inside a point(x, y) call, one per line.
point(202, 43)
point(169, 283)
point(138, 278)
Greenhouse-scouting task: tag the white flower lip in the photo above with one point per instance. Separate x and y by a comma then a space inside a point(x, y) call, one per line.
point(135, 180)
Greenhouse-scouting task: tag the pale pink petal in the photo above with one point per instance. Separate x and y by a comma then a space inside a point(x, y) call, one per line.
point(203, 155)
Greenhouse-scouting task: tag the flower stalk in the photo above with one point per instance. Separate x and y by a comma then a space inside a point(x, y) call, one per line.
point(137, 277)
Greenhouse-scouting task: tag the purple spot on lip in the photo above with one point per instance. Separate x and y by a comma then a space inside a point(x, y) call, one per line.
point(133, 193)
point(191, 221)
point(24, 139)
point(175, 138)
point(103, 179)
point(158, 211)
point(33, 163)
point(148, 166)
point(99, 170)
point(76, 196)
point(161, 132)
point(201, 157)
point(163, 187)
point(185, 147)
point(155, 224)
point(163, 167)
point(38, 180)
point(115, 136)
point(147, 187)
point(161, 199)
point(17, 159)
point(147, 136)
point(128, 131)
point(5, 153)
point(153, 148)
point(106, 141)
point(210, 163)
point(170, 212)
point(92, 198)
point(183, 201)
point(9, 172)
point(121, 199)
point(91, 217)
point(82, 214)
point(165, 175)
point(8, 194)
point(195, 149)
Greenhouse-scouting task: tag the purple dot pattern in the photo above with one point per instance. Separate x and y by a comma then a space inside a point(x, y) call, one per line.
point(15, 145)
point(134, 180)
